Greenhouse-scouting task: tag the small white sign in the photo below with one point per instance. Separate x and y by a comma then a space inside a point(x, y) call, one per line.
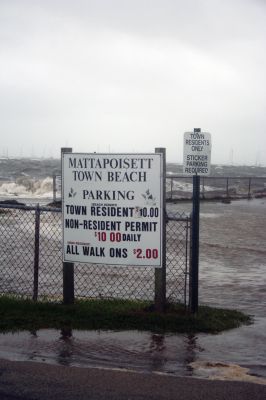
point(197, 153)
point(112, 208)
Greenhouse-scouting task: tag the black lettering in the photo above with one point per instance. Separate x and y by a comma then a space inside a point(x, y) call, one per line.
point(71, 223)
point(117, 252)
point(93, 251)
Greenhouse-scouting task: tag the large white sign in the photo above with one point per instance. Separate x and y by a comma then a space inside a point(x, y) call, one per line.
point(112, 208)
point(197, 153)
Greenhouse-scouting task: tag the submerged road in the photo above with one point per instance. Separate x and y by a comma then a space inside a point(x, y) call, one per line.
point(36, 381)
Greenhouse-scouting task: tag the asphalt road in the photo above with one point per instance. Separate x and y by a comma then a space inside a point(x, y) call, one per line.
point(35, 381)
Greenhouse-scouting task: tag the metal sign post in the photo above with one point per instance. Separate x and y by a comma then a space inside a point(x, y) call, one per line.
point(196, 162)
point(195, 245)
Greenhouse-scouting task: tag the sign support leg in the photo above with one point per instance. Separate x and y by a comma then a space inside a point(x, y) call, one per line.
point(68, 268)
point(160, 273)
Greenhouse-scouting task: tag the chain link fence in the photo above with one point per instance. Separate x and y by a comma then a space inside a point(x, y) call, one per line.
point(31, 261)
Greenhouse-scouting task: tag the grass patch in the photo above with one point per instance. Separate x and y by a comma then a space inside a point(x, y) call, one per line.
point(19, 314)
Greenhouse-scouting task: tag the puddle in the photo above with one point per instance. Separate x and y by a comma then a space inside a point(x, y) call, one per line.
point(181, 355)
point(139, 351)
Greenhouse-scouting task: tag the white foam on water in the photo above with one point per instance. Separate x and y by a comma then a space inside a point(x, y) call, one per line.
point(224, 371)
point(210, 215)
point(184, 186)
point(25, 187)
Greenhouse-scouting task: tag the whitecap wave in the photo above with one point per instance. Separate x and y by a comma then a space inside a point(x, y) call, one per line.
point(26, 187)
point(182, 186)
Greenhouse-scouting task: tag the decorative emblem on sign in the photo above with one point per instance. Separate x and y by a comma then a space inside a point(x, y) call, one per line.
point(149, 198)
point(72, 193)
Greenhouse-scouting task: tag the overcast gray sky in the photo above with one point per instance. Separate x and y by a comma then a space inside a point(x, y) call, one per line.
point(129, 76)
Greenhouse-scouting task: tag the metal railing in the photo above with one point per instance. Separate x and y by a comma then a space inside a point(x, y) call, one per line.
point(179, 187)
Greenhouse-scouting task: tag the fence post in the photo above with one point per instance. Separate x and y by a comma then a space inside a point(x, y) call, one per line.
point(203, 188)
point(54, 188)
point(36, 253)
point(160, 273)
point(195, 245)
point(172, 188)
point(68, 268)
point(249, 188)
point(227, 187)
point(187, 258)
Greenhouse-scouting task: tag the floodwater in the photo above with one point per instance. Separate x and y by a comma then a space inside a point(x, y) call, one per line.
point(232, 275)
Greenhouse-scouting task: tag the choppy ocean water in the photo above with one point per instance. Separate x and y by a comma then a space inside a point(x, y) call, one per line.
point(28, 179)
point(32, 179)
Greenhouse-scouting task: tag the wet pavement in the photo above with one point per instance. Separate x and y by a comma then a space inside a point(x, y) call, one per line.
point(31, 381)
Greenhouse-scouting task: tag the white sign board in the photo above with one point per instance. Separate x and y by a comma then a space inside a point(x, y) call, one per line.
point(197, 153)
point(112, 208)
